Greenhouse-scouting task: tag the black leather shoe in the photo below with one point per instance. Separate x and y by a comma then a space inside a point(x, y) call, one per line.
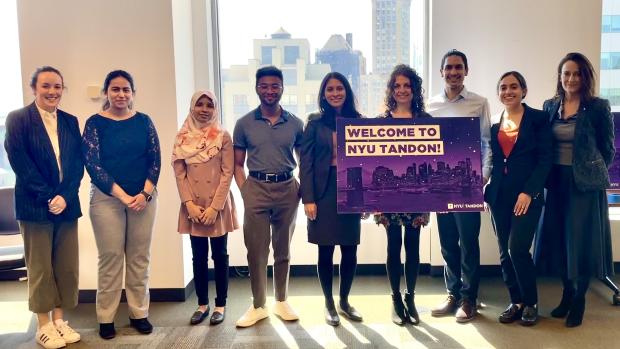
point(331, 317)
point(141, 325)
point(511, 314)
point(413, 317)
point(350, 313)
point(530, 315)
point(575, 314)
point(199, 316)
point(217, 318)
point(107, 330)
point(399, 314)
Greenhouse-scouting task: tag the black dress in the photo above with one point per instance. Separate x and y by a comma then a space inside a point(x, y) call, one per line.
point(329, 227)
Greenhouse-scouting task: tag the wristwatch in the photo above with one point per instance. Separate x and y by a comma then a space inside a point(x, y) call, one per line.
point(147, 196)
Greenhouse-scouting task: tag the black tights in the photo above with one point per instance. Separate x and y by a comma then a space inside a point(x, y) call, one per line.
point(325, 267)
point(412, 259)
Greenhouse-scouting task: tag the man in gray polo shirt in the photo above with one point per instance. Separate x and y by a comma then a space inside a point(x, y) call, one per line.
point(269, 136)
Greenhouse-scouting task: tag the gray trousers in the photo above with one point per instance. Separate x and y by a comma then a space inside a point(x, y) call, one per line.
point(52, 260)
point(122, 235)
point(270, 212)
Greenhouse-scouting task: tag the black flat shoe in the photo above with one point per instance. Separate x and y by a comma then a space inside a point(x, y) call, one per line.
point(511, 314)
point(331, 317)
point(107, 330)
point(350, 313)
point(530, 315)
point(141, 325)
point(217, 318)
point(199, 316)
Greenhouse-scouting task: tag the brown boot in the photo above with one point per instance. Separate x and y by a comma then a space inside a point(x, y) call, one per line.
point(447, 307)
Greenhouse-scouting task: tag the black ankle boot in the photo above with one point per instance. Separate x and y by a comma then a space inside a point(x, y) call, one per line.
point(414, 318)
point(399, 315)
point(565, 304)
point(575, 314)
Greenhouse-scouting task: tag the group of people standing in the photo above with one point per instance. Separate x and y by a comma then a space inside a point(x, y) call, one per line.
point(566, 149)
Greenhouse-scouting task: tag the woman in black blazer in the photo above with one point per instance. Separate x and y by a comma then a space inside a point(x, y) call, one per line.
point(576, 235)
point(521, 147)
point(404, 100)
point(326, 227)
point(43, 146)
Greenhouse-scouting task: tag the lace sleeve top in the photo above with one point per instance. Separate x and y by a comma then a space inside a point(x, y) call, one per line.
point(125, 152)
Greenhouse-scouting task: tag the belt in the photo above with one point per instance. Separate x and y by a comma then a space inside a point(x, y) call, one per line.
point(272, 177)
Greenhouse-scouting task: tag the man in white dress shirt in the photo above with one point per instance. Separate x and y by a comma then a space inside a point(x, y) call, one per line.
point(459, 231)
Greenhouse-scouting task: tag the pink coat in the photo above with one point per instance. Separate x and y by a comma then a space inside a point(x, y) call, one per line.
point(208, 184)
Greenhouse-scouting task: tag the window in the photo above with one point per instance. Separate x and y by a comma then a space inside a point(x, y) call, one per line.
point(610, 60)
point(611, 24)
point(288, 37)
point(610, 53)
point(10, 89)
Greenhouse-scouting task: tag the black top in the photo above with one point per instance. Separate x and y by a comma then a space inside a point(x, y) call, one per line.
point(37, 179)
point(125, 152)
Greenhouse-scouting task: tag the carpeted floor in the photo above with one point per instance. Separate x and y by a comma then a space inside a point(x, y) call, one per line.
point(369, 296)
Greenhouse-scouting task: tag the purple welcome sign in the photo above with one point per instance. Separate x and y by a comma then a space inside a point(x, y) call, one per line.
point(405, 165)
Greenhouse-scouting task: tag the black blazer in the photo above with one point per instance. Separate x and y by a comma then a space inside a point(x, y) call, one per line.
point(315, 159)
point(32, 158)
point(593, 146)
point(526, 168)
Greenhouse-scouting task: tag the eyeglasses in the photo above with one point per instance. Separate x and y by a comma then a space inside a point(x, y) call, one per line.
point(265, 87)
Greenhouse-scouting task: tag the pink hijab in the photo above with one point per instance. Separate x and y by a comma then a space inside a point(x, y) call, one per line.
point(198, 142)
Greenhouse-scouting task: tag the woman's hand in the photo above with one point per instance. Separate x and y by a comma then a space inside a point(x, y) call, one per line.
point(57, 205)
point(139, 203)
point(310, 210)
point(208, 216)
point(523, 203)
point(194, 211)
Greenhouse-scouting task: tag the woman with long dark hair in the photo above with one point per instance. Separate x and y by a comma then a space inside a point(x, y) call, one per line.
point(122, 157)
point(327, 228)
point(404, 99)
point(576, 234)
point(43, 146)
point(521, 147)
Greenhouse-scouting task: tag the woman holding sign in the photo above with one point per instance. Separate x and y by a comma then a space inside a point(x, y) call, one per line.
point(576, 236)
point(327, 228)
point(404, 99)
point(521, 147)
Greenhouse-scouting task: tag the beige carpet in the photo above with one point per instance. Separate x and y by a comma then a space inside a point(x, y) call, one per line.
point(601, 323)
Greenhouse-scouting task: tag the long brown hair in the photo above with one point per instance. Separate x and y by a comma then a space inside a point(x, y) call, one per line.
point(586, 72)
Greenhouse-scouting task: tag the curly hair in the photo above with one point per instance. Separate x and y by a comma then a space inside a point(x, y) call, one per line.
point(417, 103)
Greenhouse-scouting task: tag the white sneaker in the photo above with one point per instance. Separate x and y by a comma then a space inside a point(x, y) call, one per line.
point(49, 338)
point(66, 332)
point(252, 316)
point(284, 311)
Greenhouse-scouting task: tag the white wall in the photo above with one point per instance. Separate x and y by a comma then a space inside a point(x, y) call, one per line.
point(165, 45)
point(530, 36)
point(86, 40)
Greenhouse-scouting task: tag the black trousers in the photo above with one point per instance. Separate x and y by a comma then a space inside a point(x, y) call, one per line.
point(458, 236)
point(412, 256)
point(514, 237)
point(200, 259)
point(325, 268)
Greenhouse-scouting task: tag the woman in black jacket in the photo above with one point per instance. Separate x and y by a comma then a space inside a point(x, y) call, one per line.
point(521, 147)
point(576, 236)
point(326, 227)
point(43, 146)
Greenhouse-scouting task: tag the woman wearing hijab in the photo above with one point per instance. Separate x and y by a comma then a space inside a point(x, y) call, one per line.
point(203, 165)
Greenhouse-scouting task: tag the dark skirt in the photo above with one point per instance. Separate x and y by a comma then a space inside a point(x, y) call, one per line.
point(575, 239)
point(329, 227)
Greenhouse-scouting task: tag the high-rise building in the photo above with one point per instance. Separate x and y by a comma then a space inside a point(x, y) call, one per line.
point(390, 34)
point(339, 54)
point(301, 78)
point(610, 53)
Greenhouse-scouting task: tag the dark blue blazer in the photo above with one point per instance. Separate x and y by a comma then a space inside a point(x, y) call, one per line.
point(526, 168)
point(37, 179)
point(593, 146)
